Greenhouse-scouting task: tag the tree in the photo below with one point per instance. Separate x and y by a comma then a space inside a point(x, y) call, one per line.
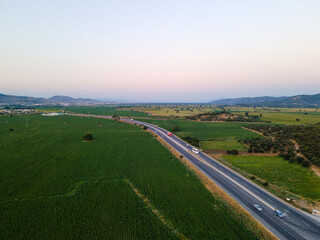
point(175, 129)
point(306, 163)
point(87, 136)
point(299, 159)
point(116, 117)
point(192, 140)
point(233, 152)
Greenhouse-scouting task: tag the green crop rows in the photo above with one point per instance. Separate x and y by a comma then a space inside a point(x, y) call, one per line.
point(289, 176)
point(206, 130)
point(53, 185)
point(104, 110)
point(222, 145)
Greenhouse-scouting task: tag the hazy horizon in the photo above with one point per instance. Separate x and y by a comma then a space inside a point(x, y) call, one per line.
point(168, 51)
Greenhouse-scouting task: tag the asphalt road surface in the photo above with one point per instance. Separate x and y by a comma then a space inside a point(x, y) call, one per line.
point(295, 224)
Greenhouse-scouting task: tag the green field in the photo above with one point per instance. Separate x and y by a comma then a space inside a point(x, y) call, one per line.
point(106, 110)
point(222, 145)
point(274, 115)
point(290, 117)
point(288, 176)
point(53, 185)
point(180, 110)
point(206, 130)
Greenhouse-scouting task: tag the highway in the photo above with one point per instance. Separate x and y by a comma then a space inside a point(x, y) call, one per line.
point(295, 224)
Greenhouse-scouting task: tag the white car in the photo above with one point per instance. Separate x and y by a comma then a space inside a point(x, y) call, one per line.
point(279, 213)
point(196, 151)
point(256, 206)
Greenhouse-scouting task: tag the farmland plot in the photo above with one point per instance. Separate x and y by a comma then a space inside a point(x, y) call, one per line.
point(53, 185)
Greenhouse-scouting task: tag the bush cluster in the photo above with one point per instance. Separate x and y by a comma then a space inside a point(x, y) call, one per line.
point(307, 136)
point(233, 152)
point(192, 140)
point(224, 116)
point(87, 136)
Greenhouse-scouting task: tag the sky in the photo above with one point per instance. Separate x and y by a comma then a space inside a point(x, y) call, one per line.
point(159, 51)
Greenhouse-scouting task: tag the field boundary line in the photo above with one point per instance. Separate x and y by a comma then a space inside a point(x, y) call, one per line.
point(155, 211)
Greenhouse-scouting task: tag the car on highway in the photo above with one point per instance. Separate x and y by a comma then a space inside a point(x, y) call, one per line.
point(194, 150)
point(256, 206)
point(169, 134)
point(279, 213)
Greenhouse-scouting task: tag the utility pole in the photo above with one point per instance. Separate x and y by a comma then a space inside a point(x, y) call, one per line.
point(26, 122)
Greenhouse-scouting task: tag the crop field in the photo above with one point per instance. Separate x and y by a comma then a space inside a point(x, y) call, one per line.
point(222, 145)
point(122, 185)
point(106, 110)
point(274, 115)
point(180, 110)
point(289, 176)
point(290, 117)
point(270, 109)
point(206, 130)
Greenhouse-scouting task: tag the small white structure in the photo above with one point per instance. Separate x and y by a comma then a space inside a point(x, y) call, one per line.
point(52, 114)
point(316, 212)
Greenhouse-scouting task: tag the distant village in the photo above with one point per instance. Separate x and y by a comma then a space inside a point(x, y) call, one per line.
point(17, 111)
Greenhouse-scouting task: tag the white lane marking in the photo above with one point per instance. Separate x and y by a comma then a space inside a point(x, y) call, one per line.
point(305, 223)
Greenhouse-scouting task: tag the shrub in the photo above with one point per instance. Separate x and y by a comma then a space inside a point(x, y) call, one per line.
point(145, 128)
point(253, 177)
point(306, 163)
point(116, 117)
point(175, 129)
point(192, 140)
point(87, 137)
point(299, 159)
point(286, 156)
point(265, 184)
point(11, 130)
point(316, 162)
point(233, 152)
point(292, 160)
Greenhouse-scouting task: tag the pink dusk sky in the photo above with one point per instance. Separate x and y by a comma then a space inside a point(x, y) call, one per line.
point(159, 51)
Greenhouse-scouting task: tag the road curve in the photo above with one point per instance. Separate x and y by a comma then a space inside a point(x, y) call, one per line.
point(296, 224)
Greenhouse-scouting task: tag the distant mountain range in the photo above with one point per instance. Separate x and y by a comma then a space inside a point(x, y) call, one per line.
point(293, 101)
point(55, 100)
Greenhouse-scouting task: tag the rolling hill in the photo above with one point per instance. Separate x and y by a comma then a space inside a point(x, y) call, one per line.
point(55, 100)
point(293, 101)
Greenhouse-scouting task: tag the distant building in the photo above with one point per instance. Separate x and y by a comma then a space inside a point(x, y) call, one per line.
point(52, 114)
